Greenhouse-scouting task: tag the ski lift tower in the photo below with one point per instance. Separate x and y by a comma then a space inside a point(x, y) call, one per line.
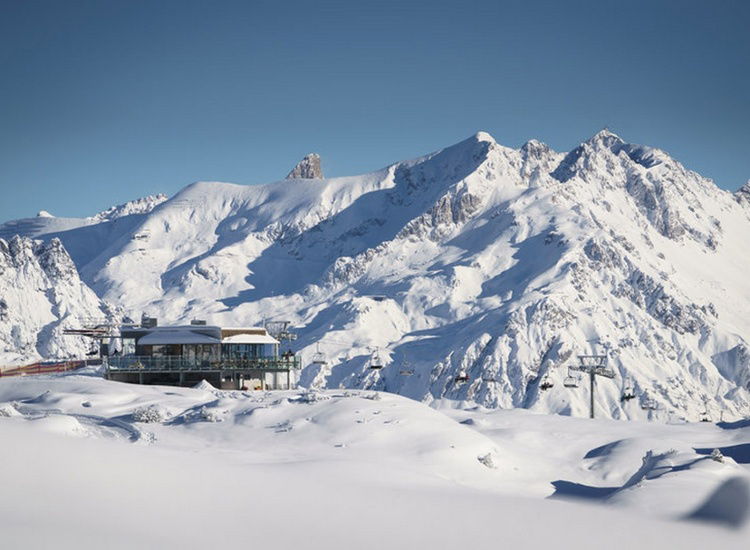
point(593, 365)
point(281, 330)
point(98, 330)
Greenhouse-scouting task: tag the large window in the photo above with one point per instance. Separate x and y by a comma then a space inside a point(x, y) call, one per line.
point(200, 352)
point(241, 351)
point(166, 349)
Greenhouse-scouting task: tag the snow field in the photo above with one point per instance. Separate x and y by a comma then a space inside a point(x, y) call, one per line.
point(339, 468)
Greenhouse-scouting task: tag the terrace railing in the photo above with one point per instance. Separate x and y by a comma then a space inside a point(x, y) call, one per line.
point(178, 363)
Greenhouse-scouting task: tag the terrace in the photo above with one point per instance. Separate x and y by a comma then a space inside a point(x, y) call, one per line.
point(228, 358)
point(168, 363)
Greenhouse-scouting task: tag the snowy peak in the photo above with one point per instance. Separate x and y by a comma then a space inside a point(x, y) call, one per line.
point(579, 160)
point(538, 161)
point(307, 169)
point(605, 139)
point(484, 136)
point(143, 205)
point(599, 155)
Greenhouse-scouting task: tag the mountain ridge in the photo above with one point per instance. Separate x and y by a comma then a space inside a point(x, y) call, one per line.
point(490, 260)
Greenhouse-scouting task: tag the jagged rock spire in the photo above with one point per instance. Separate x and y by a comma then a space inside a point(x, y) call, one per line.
point(307, 168)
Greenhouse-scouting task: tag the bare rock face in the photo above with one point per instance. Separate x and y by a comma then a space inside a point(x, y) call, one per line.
point(308, 169)
point(742, 195)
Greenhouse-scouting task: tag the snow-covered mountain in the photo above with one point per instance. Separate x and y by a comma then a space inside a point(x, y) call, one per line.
point(499, 262)
point(88, 234)
point(40, 295)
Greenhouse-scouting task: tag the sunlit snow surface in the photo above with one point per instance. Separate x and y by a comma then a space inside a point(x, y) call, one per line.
point(88, 463)
point(503, 263)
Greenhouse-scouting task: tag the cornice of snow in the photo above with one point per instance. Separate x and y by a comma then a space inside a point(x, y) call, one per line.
point(484, 136)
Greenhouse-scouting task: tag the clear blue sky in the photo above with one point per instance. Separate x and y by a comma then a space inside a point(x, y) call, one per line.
point(105, 101)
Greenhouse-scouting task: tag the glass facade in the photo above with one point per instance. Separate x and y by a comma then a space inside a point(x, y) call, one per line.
point(241, 351)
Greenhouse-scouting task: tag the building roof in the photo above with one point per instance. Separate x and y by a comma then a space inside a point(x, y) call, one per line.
point(249, 339)
point(177, 335)
point(199, 334)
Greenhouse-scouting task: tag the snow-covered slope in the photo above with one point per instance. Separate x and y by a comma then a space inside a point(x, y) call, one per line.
point(499, 262)
point(40, 295)
point(337, 469)
point(84, 236)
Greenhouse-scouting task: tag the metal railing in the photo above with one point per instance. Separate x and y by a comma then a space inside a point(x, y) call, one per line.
point(178, 363)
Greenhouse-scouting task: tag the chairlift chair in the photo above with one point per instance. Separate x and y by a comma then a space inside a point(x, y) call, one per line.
point(649, 405)
point(546, 383)
point(406, 368)
point(462, 376)
point(628, 393)
point(319, 358)
point(375, 362)
point(571, 381)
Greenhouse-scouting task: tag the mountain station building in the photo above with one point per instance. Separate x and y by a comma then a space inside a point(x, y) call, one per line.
point(239, 358)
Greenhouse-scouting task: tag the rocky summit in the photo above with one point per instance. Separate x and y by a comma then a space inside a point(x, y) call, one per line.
point(307, 169)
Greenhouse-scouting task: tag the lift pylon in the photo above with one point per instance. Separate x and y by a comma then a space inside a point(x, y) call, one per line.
point(593, 365)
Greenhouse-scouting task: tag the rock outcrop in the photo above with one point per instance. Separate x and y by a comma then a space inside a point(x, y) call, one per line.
point(307, 169)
